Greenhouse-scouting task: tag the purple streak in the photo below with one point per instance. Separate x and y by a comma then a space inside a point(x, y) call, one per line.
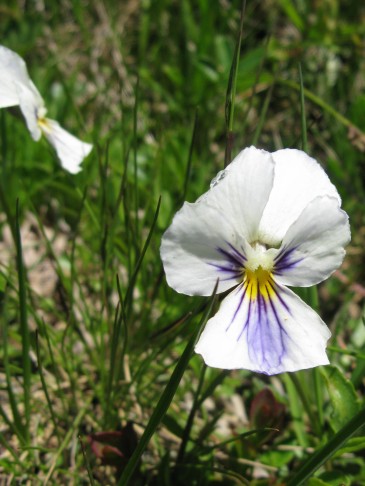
point(260, 323)
point(286, 260)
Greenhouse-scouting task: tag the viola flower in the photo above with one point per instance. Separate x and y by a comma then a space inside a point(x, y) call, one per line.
point(16, 88)
point(268, 220)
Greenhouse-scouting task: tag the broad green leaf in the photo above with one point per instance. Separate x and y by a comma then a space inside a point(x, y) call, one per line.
point(353, 445)
point(317, 482)
point(344, 401)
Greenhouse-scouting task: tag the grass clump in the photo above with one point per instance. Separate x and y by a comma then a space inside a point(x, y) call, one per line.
point(95, 362)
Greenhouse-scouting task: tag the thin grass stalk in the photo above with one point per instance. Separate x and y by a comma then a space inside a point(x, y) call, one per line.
point(296, 411)
point(190, 420)
point(112, 364)
point(12, 426)
point(45, 389)
point(24, 328)
point(262, 118)
point(254, 89)
point(190, 158)
point(319, 457)
point(9, 448)
point(166, 397)
point(44, 331)
point(306, 404)
point(135, 168)
point(132, 282)
point(12, 400)
point(322, 104)
point(231, 91)
point(312, 291)
point(87, 464)
point(66, 441)
point(125, 328)
point(218, 380)
point(302, 112)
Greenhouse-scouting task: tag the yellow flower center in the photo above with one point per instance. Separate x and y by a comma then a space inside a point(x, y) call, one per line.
point(259, 281)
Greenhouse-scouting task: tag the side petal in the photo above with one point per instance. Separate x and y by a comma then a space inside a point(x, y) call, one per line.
point(313, 247)
point(298, 180)
point(199, 248)
point(30, 104)
point(70, 150)
point(242, 190)
point(272, 333)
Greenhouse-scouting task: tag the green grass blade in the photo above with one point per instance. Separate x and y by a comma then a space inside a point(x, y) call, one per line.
point(135, 168)
point(231, 92)
point(118, 319)
point(24, 329)
point(165, 399)
point(296, 411)
point(45, 389)
point(262, 118)
point(302, 113)
point(87, 464)
point(129, 293)
point(326, 452)
point(188, 167)
point(18, 425)
point(190, 420)
point(66, 441)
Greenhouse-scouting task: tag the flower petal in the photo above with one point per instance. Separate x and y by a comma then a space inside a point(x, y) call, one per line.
point(30, 104)
point(207, 239)
point(298, 180)
point(12, 68)
point(313, 247)
point(16, 88)
point(70, 150)
point(200, 247)
point(272, 333)
point(243, 191)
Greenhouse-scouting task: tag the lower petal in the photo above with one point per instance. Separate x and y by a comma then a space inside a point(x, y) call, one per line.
point(272, 333)
point(70, 150)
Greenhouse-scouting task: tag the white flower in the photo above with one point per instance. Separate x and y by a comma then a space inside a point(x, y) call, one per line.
point(16, 88)
point(269, 221)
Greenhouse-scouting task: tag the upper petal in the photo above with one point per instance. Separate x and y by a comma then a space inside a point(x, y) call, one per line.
point(14, 75)
point(243, 191)
point(313, 247)
point(70, 150)
point(12, 67)
point(200, 247)
point(272, 331)
point(298, 180)
point(207, 239)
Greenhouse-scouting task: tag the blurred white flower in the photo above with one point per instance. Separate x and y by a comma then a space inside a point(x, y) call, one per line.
point(16, 88)
point(269, 221)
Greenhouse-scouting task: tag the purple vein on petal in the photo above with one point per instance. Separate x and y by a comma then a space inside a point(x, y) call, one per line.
point(265, 333)
point(233, 265)
point(283, 261)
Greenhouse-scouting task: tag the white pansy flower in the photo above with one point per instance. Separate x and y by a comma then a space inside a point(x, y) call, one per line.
point(16, 88)
point(272, 220)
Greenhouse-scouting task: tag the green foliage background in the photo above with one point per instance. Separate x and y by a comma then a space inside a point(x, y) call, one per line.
point(91, 333)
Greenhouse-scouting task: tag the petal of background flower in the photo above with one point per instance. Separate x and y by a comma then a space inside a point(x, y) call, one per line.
point(30, 103)
point(199, 247)
point(244, 191)
point(70, 150)
point(313, 247)
point(298, 180)
point(12, 68)
point(268, 336)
